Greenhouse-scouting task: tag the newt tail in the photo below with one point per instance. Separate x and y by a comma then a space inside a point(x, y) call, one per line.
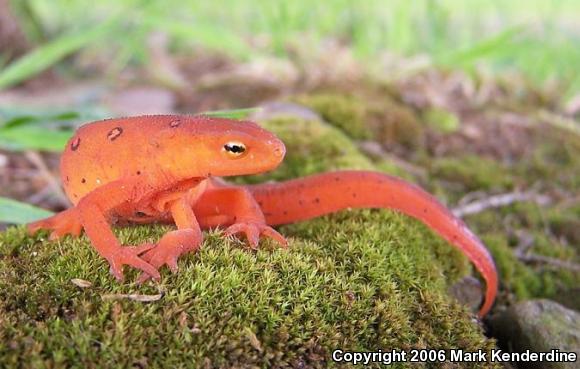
point(317, 195)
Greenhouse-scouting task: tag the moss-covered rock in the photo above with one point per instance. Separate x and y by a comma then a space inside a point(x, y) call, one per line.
point(539, 326)
point(368, 114)
point(345, 112)
point(356, 280)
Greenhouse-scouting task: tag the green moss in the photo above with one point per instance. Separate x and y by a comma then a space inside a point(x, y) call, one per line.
point(557, 158)
point(441, 120)
point(520, 280)
point(368, 114)
point(345, 112)
point(525, 279)
point(356, 280)
point(472, 172)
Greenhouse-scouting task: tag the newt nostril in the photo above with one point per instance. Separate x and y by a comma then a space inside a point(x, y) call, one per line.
point(279, 149)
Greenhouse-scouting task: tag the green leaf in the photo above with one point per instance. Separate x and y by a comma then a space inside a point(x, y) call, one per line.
point(21, 120)
point(16, 212)
point(29, 137)
point(47, 55)
point(231, 114)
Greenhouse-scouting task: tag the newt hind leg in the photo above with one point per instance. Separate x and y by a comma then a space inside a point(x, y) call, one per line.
point(236, 209)
point(61, 224)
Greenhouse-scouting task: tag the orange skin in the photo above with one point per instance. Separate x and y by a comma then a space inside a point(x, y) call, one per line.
point(161, 169)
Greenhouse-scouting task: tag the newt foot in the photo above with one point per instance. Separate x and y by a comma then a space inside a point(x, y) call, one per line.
point(61, 224)
point(129, 255)
point(253, 231)
point(171, 246)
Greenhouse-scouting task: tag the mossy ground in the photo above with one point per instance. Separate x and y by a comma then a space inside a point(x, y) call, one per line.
point(356, 280)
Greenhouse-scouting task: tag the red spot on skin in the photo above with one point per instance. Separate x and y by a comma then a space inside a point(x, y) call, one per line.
point(114, 133)
point(75, 144)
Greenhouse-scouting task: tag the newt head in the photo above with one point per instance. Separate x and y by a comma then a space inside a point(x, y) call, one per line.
point(246, 148)
point(222, 147)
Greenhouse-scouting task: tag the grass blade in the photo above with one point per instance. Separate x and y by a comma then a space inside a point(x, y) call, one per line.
point(12, 211)
point(204, 33)
point(231, 114)
point(484, 48)
point(47, 55)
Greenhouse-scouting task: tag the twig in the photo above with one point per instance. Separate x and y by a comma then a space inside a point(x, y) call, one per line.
point(39, 163)
point(374, 149)
point(559, 121)
point(534, 258)
point(497, 201)
point(526, 241)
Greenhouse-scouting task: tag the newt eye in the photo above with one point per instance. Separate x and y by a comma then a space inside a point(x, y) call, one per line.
point(235, 149)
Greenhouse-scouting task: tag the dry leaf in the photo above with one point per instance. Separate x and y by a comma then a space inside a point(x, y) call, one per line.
point(81, 283)
point(132, 296)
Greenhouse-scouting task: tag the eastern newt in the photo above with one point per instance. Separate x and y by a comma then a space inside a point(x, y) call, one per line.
point(163, 169)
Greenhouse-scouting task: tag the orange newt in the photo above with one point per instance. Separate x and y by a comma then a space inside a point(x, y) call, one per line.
point(163, 169)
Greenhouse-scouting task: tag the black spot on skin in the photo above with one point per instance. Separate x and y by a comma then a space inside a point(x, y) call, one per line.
point(260, 203)
point(115, 133)
point(83, 180)
point(354, 195)
point(175, 123)
point(337, 179)
point(300, 202)
point(75, 144)
point(138, 172)
point(67, 179)
point(140, 214)
point(317, 200)
point(285, 212)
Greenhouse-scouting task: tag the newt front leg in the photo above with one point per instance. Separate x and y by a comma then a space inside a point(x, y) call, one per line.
point(94, 209)
point(186, 238)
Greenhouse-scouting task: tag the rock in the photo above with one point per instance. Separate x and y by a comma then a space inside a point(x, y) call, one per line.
point(276, 109)
point(468, 291)
point(538, 326)
point(141, 101)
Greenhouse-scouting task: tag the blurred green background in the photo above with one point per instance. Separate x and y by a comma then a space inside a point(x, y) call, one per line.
point(540, 38)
